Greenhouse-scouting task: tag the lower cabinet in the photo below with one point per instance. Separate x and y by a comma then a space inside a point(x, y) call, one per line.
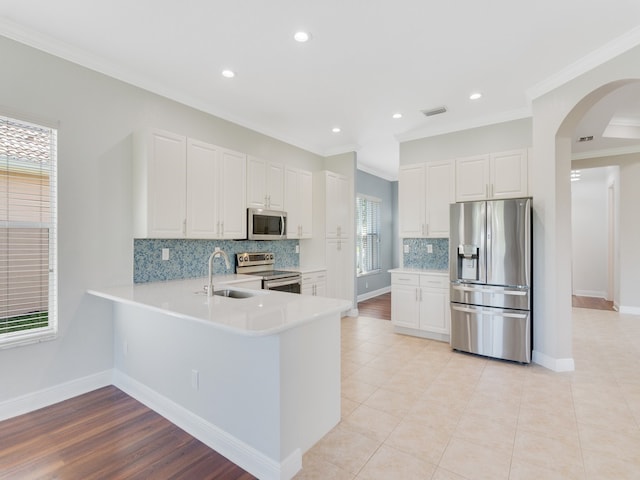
point(420, 304)
point(314, 283)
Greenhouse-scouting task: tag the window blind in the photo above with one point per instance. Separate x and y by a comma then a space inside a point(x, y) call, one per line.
point(28, 233)
point(368, 234)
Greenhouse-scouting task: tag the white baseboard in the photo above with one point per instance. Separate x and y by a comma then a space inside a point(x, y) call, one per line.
point(554, 364)
point(629, 310)
point(57, 393)
point(374, 293)
point(227, 445)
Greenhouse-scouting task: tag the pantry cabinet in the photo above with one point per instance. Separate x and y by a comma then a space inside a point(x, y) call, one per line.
point(339, 272)
point(492, 176)
point(298, 203)
point(420, 304)
point(425, 192)
point(185, 188)
point(265, 184)
point(338, 203)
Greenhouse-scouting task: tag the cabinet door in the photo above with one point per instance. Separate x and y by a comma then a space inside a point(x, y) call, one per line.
point(275, 186)
point(337, 274)
point(472, 178)
point(404, 306)
point(167, 183)
point(338, 205)
point(202, 190)
point(232, 199)
point(305, 205)
point(411, 200)
point(433, 310)
point(256, 182)
point(439, 193)
point(509, 174)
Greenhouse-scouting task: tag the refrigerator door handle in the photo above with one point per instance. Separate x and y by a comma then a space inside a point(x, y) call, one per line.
point(473, 289)
point(486, 311)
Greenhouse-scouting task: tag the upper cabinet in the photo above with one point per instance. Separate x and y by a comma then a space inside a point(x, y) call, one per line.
point(298, 198)
point(492, 176)
point(184, 188)
point(265, 184)
point(425, 192)
point(338, 203)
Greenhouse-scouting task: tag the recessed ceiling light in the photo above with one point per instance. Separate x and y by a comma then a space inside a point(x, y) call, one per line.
point(302, 37)
point(228, 73)
point(475, 96)
point(335, 129)
point(397, 115)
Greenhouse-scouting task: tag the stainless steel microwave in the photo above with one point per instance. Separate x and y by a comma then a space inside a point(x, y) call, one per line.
point(266, 224)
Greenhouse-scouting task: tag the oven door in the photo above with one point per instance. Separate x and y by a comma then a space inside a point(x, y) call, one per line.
point(289, 285)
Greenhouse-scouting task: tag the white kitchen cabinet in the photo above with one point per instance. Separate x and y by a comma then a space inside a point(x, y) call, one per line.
point(338, 272)
point(265, 184)
point(420, 304)
point(492, 176)
point(314, 283)
point(159, 178)
point(185, 188)
point(298, 203)
point(338, 205)
point(215, 192)
point(425, 192)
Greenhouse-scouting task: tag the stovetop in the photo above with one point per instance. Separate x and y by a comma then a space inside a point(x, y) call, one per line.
point(272, 274)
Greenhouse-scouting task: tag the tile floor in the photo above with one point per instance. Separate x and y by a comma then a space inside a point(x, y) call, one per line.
point(413, 409)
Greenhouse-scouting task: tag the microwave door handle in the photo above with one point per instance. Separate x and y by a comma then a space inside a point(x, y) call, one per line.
point(282, 226)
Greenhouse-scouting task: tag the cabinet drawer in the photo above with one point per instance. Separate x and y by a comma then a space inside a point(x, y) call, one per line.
point(405, 279)
point(434, 281)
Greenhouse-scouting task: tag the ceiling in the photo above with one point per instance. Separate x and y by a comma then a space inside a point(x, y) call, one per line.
point(366, 60)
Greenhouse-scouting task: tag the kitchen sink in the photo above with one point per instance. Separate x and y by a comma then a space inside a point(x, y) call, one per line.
point(234, 293)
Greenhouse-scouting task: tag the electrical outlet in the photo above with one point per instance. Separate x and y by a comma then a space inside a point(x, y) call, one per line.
point(297, 248)
point(429, 248)
point(406, 249)
point(216, 249)
point(165, 254)
point(195, 379)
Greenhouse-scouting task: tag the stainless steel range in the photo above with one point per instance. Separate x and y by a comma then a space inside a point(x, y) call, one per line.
point(262, 264)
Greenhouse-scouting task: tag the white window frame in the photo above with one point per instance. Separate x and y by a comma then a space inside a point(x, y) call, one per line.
point(38, 164)
point(373, 236)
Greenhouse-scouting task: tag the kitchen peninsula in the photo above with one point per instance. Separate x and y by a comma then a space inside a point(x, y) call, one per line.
point(255, 378)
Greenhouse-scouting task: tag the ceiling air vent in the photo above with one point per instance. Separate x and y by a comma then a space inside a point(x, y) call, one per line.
point(585, 139)
point(434, 111)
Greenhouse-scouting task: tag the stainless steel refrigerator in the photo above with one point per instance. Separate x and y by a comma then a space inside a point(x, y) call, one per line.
point(490, 268)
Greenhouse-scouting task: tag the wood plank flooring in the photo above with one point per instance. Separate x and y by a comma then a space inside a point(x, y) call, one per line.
point(376, 307)
point(105, 434)
point(593, 303)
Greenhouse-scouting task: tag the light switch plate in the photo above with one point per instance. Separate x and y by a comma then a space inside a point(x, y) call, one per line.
point(165, 254)
point(406, 249)
point(429, 248)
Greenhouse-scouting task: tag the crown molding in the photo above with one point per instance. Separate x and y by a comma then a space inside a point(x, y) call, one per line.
point(377, 173)
point(590, 61)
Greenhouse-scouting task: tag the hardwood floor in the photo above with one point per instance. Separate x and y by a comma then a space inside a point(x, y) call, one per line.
point(376, 307)
point(593, 303)
point(105, 434)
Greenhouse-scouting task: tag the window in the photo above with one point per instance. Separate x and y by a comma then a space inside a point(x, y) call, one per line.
point(368, 234)
point(28, 233)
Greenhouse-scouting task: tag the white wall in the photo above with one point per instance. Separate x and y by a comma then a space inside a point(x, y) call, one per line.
point(589, 223)
point(96, 116)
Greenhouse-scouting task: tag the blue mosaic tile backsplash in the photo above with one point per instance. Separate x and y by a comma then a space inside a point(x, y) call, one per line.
point(188, 258)
point(419, 258)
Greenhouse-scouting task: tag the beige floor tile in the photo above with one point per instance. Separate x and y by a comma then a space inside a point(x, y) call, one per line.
point(356, 390)
point(358, 356)
point(442, 474)
point(492, 432)
point(475, 461)
point(374, 376)
point(420, 440)
point(315, 468)
point(392, 402)
point(389, 463)
point(506, 408)
point(559, 454)
point(347, 406)
point(345, 449)
point(600, 466)
point(521, 470)
point(558, 424)
point(614, 444)
point(371, 422)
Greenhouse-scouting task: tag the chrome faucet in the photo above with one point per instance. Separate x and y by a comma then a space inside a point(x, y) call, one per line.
point(211, 257)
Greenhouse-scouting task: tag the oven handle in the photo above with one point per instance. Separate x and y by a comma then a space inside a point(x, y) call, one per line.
point(283, 283)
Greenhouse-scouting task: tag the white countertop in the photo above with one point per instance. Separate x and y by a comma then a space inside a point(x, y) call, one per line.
point(268, 312)
point(419, 270)
point(302, 269)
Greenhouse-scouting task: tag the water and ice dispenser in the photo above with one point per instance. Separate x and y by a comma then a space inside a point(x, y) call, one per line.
point(468, 265)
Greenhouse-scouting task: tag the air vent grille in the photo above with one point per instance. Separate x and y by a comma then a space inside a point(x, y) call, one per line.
point(434, 111)
point(585, 139)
